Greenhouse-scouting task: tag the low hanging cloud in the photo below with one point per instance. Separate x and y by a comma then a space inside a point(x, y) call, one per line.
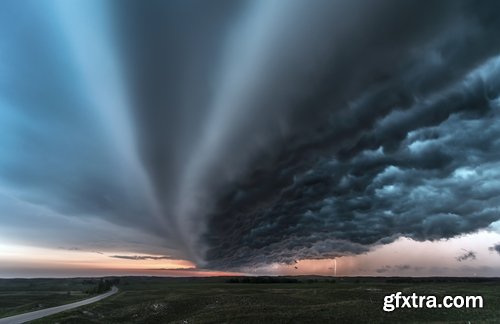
point(495, 248)
point(397, 268)
point(141, 257)
point(409, 156)
point(438, 181)
point(74, 248)
point(468, 255)
point(236, 134)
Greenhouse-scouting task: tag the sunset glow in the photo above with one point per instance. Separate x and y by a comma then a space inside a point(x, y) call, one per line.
point(24, 261)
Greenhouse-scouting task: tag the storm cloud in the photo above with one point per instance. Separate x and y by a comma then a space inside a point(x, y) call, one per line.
point(242, 133)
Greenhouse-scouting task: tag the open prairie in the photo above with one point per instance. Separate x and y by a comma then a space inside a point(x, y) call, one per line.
point(25, 295)
point(255, 300)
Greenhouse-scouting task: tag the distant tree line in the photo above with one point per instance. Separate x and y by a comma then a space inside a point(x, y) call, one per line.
point(274, 280)
point(100, 285)
point(258, 280)
point(441, 279)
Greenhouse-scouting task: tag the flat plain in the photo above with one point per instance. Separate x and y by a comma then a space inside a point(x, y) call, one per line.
point(25, 295)
point(239, 300)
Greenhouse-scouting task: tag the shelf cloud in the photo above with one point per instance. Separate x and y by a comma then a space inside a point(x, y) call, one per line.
point(241, 133)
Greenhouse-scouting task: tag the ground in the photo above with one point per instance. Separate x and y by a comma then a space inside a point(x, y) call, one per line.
point(311, 300)
point(24, 295)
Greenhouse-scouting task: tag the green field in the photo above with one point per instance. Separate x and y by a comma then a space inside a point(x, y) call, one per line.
point(214, 300)
point(24, 295)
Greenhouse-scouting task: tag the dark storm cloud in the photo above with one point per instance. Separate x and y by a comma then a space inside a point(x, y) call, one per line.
point(412, 153)
point(438, 182)
point(242, 133)
point(468, 255)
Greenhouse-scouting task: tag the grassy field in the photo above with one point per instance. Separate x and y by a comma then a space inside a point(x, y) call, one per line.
point(24, 295)
point(213, 300)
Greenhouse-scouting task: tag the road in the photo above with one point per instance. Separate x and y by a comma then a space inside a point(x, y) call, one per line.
point(31, 316)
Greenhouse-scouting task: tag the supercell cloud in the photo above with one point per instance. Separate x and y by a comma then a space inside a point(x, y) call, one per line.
point(241, 133)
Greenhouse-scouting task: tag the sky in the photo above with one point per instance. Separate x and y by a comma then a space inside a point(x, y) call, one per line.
point(271, 137)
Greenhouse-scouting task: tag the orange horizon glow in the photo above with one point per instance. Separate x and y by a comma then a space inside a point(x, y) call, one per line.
point(404, 257)
point(25, 260)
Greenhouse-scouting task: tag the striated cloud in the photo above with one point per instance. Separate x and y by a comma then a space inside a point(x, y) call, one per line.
point(235, 134)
